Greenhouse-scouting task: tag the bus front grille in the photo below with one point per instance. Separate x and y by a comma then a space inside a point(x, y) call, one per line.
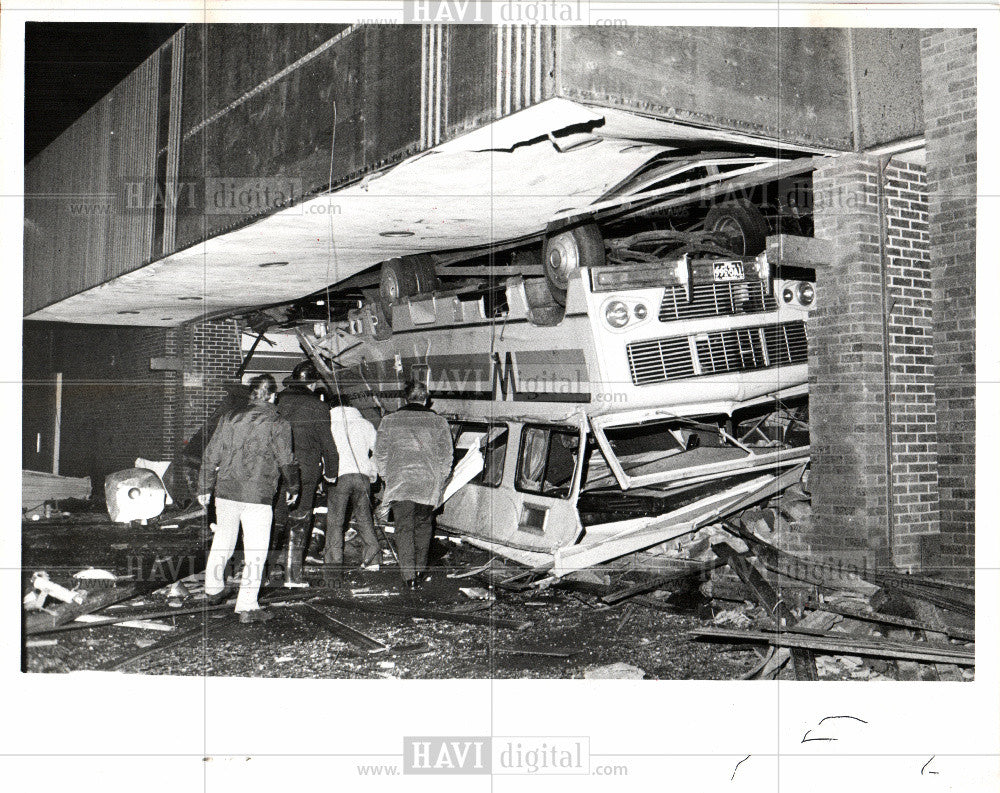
point(660, 360)
point(743, 349)
point(713, 300)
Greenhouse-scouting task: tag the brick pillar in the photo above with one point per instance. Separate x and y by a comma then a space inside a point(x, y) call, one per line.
point(211, 357)
point(862, 506)
point(911, 365)
point(846, 387)
point(211, 354)
point(948, 66)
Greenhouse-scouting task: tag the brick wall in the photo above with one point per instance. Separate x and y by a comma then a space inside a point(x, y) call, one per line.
point(865, 510)
point(115, 408)
point(112, 404)
point(912, 413)
point(948, 65)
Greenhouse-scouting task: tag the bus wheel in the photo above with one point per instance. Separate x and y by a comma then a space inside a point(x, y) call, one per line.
point(741, 224)
point(396, 281)
point(567, 251)
point(404, 277)
point(425, 273)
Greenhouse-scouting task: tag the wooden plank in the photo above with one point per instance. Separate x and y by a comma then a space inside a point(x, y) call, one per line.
point(544, 653)
point(87, 620)
point(342, 630)
point(45, 622)
point(275, 599)
point(657, 583)
point(117, 663)
point(836, 646)
point(763, 592)
point(902, 622)
point(38, 487)
point(431, 614)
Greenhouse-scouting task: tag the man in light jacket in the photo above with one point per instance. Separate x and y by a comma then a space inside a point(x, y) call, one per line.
point(249, 450)
point(413, 454)
point(354, 437)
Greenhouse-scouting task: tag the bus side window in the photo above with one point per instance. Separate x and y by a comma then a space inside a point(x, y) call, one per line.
point(532, 463)
point(491, 440)
point(561, 463)
point(548, 461)
point(496, 451)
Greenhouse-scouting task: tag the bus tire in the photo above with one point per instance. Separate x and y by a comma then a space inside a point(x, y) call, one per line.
point(568, 250)
point(741, 224)
point(424, 272)
point(396, 281)
point(404, 277)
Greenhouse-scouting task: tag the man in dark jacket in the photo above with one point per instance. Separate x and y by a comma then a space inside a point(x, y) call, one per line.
point(315, 452)
point(250, 448)
point(413, 454)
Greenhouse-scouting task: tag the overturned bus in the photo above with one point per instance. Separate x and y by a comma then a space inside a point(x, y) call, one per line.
point(641, 391)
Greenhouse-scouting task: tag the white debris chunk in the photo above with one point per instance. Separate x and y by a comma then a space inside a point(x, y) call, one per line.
point(615, 671)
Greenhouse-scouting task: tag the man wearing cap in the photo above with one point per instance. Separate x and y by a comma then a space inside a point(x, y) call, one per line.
point(315, 453)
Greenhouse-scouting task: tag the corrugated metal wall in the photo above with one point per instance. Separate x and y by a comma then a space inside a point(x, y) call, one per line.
point(269, 101)
point(376, 93)
point(88, 196)
point(257, 101)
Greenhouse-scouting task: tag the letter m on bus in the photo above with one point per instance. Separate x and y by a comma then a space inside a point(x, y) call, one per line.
point(503, 377)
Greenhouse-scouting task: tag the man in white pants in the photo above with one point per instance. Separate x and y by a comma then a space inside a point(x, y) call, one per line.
point(249, 450)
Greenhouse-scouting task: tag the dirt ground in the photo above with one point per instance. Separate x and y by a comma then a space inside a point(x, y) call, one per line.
point(569, 630)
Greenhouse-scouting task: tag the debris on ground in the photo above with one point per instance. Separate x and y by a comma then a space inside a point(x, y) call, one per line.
point(476, 593)
point(616, 671)
point(735, 611)
point(837, 624)
point(733, 618)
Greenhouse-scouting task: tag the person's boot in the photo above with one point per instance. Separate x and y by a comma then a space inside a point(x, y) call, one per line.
point(276, 563)
point(317, 543)
point(293, 557)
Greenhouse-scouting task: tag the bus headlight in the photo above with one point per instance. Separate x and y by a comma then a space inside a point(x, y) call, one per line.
point(616, 314)
point(787, 295)
point(640, 312)
point(807, 293)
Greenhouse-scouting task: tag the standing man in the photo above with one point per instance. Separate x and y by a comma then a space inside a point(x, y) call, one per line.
point(248, 451)
point(354, 436)
point(315, 453)
point(413, 454)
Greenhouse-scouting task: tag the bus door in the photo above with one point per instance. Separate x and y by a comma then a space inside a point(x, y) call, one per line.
point(525, 495)
point(481, 450)
point(546, 484)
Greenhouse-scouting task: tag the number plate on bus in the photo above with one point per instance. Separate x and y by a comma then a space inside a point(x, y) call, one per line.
point(728, 271)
